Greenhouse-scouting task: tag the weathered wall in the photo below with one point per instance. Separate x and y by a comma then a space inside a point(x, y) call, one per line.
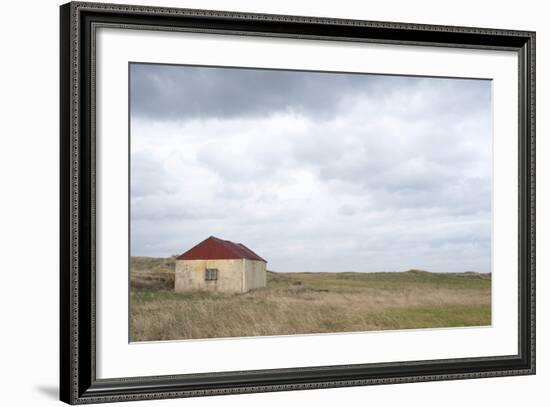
point(190, 275)
point(255, 274)
point(238, 275)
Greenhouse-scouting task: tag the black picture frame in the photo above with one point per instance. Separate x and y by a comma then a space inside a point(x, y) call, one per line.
point(78, 382)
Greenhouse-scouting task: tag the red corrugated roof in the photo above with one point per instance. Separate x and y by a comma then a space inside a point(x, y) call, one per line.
point(214, 248)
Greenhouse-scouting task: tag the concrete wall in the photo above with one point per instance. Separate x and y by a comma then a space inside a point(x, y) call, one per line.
point(234, 275)
point(190, 275)
point(255, 274)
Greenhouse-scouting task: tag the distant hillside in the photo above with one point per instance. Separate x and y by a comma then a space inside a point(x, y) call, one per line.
point(158, 273)
point(152, 272)
point(152, 263)
point(161, 264)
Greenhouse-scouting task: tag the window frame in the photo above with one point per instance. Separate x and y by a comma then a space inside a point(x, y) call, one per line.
point(210, 274)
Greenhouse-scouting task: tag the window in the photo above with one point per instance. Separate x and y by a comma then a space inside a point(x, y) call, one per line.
point(210, 274)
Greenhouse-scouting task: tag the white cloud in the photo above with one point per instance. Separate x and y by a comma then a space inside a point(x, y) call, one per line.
point(388, 181)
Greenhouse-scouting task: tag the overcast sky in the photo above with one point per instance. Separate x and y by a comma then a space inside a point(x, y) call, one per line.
point(313, 171)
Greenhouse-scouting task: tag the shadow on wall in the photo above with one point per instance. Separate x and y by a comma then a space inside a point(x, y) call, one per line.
point(49, 391)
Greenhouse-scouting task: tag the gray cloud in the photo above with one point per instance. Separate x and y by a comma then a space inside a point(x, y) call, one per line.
point(315, 171)
point(175, 92)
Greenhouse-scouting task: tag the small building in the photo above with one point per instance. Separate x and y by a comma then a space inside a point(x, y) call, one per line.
point(220, 265)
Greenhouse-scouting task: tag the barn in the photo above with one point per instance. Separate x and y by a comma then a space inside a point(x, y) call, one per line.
point(220, 265)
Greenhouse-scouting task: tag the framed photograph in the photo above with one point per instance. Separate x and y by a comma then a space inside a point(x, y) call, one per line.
point(255, 203)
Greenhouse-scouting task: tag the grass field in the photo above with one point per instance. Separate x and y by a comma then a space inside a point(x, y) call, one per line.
point(299, 303)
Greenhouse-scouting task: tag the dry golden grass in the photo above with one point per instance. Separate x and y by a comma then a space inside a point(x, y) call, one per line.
point(300, 303)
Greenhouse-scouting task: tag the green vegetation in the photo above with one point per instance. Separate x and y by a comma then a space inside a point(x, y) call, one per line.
point(300, 303)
